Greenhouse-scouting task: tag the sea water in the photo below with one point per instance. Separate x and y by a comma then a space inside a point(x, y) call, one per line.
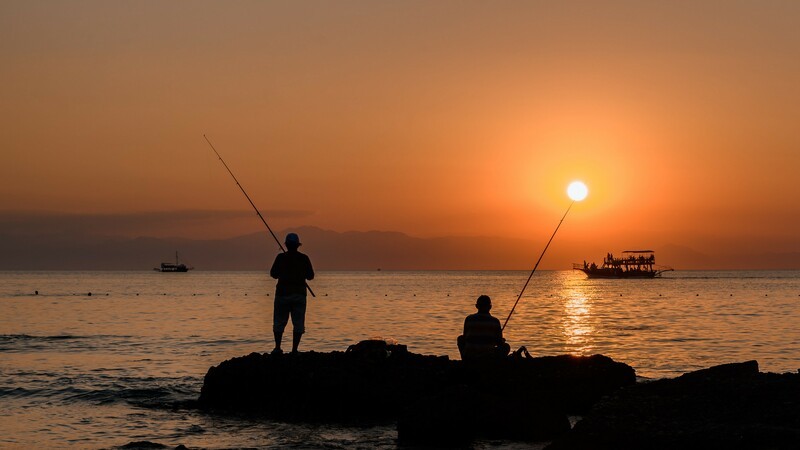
point(119, 365)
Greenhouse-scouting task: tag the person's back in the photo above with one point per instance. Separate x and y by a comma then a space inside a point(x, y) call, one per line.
point(482, 329)
point(483, 335)
point(291, 269)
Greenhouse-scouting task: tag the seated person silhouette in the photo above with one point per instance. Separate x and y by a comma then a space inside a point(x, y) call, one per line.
point(483, 337)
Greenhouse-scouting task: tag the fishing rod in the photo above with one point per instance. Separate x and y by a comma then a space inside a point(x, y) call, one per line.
point(540, 257)
point(252, 204)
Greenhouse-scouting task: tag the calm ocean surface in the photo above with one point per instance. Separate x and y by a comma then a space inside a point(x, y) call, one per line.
point(103, 370)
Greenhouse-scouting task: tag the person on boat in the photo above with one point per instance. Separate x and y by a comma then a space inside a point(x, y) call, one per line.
point(291, 269)
point(483, 337)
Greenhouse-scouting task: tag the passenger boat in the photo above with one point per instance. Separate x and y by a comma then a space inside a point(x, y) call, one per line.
point(177, 266)
point(632, 264)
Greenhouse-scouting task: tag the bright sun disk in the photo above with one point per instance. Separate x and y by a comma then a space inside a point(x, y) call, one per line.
point(577, 191)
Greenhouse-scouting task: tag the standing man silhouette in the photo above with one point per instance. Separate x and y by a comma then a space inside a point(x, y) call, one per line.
point(291, 269)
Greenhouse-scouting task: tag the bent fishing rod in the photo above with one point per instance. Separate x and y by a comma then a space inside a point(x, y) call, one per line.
point(537, 265)
point(252, 204)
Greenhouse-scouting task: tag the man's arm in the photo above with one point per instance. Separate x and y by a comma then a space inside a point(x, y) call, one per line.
point(499, 331)
point(309, 269)
point(275, 271)
point(466, 326)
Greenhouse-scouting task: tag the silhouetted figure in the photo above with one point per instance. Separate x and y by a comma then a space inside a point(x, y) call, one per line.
point(483, 336)
point(291, 269)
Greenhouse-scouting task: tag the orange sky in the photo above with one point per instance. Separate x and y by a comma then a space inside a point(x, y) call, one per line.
point(430, 118)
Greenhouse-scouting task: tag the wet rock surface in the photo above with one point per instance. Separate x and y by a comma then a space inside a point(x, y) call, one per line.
point(732, 406)
point(147, 445)
point(433, 398)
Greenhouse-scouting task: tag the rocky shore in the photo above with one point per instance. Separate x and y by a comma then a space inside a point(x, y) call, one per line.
point(438, 401)
point(432, 398)
point(732, 406)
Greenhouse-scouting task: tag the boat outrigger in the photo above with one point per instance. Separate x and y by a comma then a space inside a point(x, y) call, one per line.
point(632, 264)
point(173, 267)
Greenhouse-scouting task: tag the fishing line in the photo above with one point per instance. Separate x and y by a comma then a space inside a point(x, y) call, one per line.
point(253, 204)
point(537, 265)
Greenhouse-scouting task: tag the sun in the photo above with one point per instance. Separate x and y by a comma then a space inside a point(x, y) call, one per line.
point(577, 191)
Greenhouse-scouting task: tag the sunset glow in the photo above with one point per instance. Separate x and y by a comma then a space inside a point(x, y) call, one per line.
point(577, 191)
point(406, 119)
point(224, 197)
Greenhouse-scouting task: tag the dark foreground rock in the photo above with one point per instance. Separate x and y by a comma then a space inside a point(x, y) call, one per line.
point(431, 397)
point(147, 445)
point(731, 406)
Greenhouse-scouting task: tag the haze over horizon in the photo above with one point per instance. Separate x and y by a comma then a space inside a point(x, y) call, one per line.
point(111, 242)
point(436, 120)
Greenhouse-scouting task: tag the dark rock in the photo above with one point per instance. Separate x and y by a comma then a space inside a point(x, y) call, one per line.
point(142, 445)
point(339, 386)
point(147, 445)
point(732, 406)
point(517, 398)
point(570, 383)
point(525, 398)
point(462, 413)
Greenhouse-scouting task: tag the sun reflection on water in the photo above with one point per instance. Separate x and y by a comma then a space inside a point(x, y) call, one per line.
point(578, 328)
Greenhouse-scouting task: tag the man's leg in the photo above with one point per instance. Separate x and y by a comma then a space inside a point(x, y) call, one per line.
point(503, 349)
point(296, 341)
point(460, 342)
point(298, 320)
point(280, 317)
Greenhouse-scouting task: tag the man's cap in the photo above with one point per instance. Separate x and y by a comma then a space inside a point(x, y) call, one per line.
point(292, 239)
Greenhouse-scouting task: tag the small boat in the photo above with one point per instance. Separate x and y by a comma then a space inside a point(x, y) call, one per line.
point(632, 264)
point(177, 266)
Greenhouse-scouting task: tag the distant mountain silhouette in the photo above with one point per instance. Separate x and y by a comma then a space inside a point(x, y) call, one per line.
point(678, 256)
point(332, 250)
point(687, 259)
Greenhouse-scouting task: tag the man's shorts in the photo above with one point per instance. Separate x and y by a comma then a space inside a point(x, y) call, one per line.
point(286, 305)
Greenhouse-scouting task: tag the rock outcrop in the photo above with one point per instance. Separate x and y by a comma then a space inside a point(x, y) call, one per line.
point(431, 397)
point(732, 406)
